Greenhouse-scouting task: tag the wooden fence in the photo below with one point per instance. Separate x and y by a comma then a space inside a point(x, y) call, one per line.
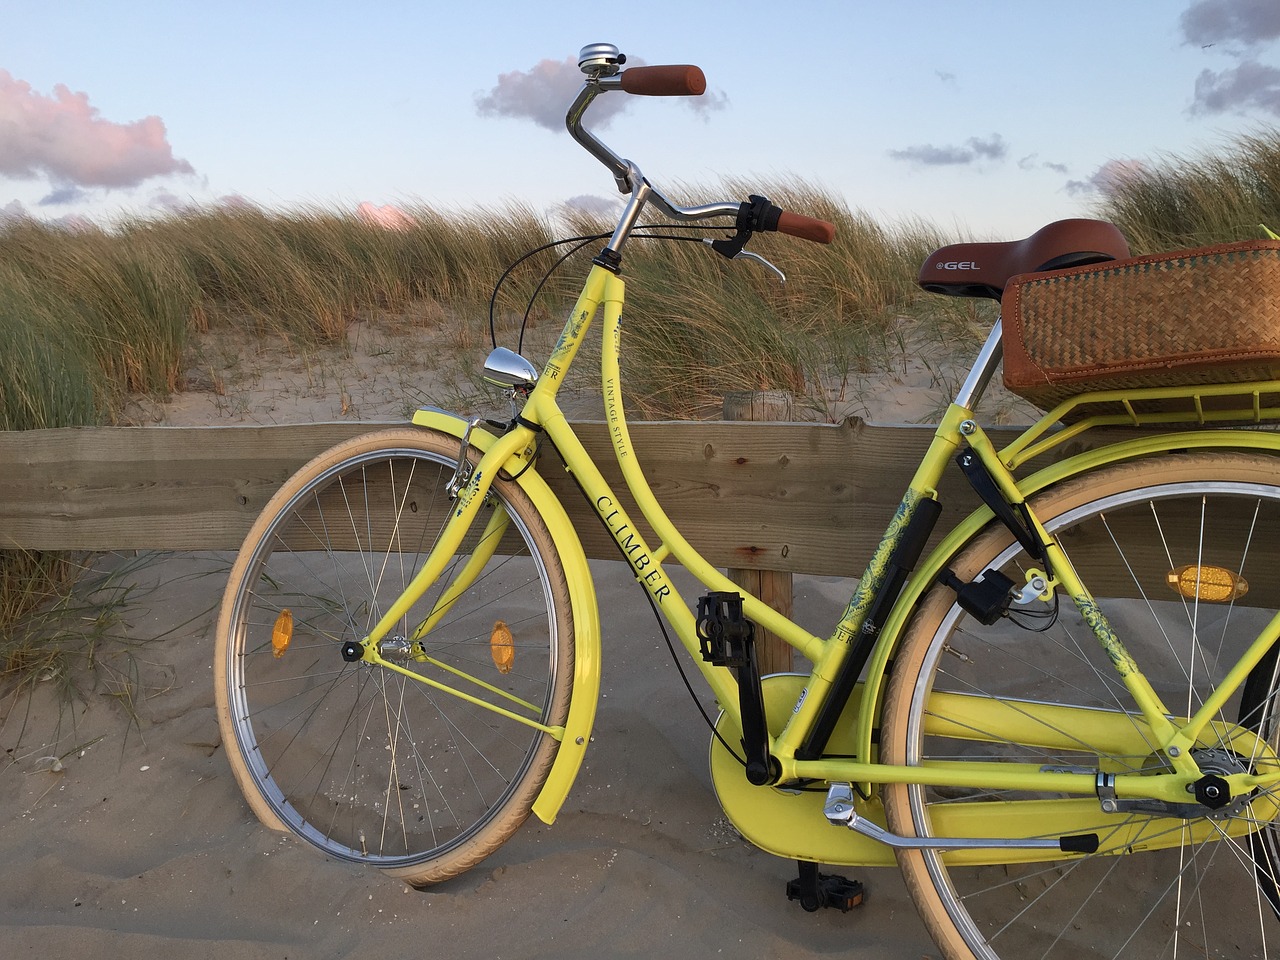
point(804, 498)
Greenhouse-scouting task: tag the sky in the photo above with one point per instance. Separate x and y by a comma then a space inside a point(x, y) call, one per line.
point(992, 117)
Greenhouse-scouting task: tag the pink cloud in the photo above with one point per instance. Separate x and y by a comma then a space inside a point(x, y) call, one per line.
point(388, 217)
point(64, 138)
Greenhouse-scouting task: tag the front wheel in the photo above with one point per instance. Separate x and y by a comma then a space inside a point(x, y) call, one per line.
point(367, 763)
point(1159, 886)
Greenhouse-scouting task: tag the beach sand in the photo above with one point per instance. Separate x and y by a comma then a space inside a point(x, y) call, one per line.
point(125, 833)
point(140, 844)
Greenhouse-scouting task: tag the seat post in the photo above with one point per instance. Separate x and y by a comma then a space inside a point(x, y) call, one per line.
point(983, 369)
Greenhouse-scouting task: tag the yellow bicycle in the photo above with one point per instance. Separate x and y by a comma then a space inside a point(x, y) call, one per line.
point(1060, 722)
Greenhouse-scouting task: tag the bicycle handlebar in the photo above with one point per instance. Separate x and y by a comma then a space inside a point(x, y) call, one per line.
point(806, 228)
point(602, 65)
point(674, 80)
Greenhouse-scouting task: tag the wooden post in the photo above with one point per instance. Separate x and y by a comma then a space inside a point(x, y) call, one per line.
point(774, 587)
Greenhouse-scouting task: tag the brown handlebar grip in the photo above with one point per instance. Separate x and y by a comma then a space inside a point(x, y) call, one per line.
point(806, 228)
point(675, 80)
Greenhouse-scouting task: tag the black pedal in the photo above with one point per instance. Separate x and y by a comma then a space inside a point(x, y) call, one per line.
point(816, 890)
point(727, 639)
point(724, 634)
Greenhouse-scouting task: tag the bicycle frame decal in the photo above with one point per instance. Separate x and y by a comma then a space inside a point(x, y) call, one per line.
point(633, 548)
point(855, 613)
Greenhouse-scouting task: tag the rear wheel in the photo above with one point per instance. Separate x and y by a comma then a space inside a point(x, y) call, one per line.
point(364, 762)
point(1160, 886)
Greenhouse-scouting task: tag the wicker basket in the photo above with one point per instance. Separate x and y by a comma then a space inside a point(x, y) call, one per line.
point(1188, 318)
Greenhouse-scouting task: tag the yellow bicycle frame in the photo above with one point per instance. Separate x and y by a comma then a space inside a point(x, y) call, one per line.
point(511, 452)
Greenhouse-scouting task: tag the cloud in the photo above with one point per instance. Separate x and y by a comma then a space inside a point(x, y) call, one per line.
point(1246, 87)
point(235, 202)
point(1247, 22)
point(64, 138)
point(974, 150)
point(710, 102)
point(1033, 162)
point(12, 212)
point(1241, 27)
point(168, 202)
point(542, 94)
point(1107, 178)
point(593, 205)
point(63, 195)
point(387, 216)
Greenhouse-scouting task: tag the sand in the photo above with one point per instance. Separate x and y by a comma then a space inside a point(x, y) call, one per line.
point(141, 842)
point(125, 834)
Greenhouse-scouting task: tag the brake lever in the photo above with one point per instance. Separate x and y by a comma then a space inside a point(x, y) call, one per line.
point(750, 255)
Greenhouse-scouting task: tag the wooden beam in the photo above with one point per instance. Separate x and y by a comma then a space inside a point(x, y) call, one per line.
point(808, 498)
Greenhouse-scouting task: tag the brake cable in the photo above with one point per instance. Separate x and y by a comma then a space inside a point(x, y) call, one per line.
point(582, 241)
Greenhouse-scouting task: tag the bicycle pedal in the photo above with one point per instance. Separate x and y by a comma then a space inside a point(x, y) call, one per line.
point(816, 890)
point(725, 635)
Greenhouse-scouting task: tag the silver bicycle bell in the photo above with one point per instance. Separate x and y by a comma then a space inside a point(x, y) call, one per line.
point(600, 60)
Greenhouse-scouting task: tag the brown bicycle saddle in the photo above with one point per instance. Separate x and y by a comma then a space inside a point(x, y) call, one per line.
point(983, 269)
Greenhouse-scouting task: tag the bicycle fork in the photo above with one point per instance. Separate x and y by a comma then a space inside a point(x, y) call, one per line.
point(469, 491)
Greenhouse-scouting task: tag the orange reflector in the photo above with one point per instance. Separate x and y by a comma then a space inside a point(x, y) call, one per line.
point(503, 647)
point(282, 632)
point(1208, 583)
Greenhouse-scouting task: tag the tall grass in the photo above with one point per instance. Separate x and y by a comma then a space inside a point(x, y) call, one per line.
point(699, 326)
point(1215, 197)
point(88, 317)
point(307, 275)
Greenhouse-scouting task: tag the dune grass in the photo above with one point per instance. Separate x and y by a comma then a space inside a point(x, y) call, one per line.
point(699, 326)
point(1188, 201)
point(88, 317)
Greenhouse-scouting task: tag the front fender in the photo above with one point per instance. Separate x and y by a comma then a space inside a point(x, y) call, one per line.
point(582, 602)
point(932, 566)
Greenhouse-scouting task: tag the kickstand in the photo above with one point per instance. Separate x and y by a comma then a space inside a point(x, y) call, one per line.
point(815, 890)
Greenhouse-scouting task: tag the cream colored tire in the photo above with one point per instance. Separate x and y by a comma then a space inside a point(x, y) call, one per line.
point(365, 763)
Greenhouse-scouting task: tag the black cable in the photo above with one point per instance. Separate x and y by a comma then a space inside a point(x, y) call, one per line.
point(1023, 618)
point(493, 298)
point(675, 658)
point(581, 242)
